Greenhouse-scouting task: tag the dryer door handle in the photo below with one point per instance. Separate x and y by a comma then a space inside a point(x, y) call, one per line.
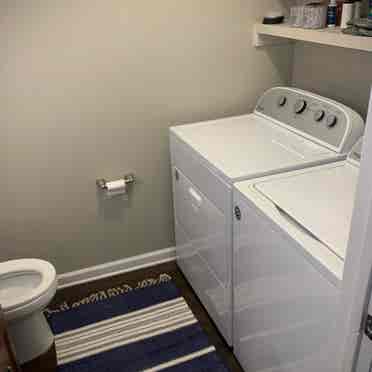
point(195, 195)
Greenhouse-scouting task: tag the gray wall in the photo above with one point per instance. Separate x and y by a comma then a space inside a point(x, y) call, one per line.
point(88, 89)
point(338, 73)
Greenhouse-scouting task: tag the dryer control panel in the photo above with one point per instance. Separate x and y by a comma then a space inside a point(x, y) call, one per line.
point(320, 119)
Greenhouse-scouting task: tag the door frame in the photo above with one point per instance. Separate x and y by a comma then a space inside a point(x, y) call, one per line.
point(358, 264)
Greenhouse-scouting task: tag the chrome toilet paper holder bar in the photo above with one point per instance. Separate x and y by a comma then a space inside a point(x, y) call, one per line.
point(129, 179)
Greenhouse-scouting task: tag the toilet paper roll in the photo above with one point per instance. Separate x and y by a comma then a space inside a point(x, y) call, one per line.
point(118, 185)
point(123, 195)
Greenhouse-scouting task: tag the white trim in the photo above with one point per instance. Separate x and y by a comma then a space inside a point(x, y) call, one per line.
point(358, 264)
point(116, 267)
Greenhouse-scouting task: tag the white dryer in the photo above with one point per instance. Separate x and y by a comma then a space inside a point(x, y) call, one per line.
point(290, 244)
point(289, 129)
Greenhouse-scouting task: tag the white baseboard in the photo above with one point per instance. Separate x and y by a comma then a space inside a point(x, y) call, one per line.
point(116, 267)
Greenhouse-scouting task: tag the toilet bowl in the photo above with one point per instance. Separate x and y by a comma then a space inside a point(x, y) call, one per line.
point(26, 288)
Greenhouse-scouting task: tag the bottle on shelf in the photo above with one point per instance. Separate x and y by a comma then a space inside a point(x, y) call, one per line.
point(347, 13)
point(339, 4)
point(358, 9)
point(332, 13)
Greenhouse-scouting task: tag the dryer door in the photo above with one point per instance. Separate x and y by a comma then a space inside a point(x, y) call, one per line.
point(203, 245)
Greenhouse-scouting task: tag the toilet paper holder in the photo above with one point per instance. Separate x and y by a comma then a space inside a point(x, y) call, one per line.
point(128, 179)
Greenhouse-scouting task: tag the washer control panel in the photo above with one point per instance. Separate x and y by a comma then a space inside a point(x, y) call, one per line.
point(321, 118)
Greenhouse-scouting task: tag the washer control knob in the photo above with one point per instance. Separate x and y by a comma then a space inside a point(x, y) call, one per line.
point(319, 115)
point(331, 121)
point(300, 106)
point(282, 100)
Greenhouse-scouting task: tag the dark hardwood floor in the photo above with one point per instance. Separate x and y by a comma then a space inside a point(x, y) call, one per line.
point(132, 278)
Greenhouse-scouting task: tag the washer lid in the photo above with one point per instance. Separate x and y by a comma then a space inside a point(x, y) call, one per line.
point(319, 200)
point(22, 281)
point(250, 146)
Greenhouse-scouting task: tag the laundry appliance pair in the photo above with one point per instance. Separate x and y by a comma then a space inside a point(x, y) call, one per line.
point(242, 268)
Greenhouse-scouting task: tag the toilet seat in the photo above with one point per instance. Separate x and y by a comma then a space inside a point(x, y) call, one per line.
point(25, 285)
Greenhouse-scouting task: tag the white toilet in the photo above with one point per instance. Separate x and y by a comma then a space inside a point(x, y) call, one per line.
point(26, 288)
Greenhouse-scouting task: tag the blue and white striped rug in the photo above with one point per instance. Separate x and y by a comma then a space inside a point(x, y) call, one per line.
point(146, 328)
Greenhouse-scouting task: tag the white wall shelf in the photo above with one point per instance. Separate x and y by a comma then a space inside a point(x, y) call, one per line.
point(280, 34)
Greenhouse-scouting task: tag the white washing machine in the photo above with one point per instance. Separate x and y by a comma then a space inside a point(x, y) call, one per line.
point(289, 129)
point(290, 244)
